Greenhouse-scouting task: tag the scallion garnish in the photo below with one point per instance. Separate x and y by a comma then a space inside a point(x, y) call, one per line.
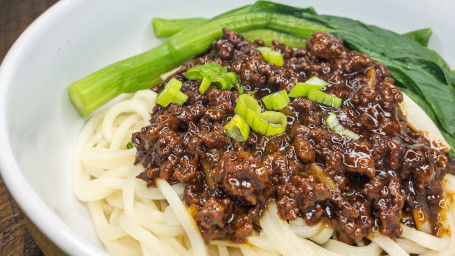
point(276, 122)
point(171, 94)
point(205, 84)
point(302, 89)
point(247, 107)
point(237, 129)
point(268, 123)
point(324, 98)
point(226, 80)
point(276, 101)
point(212, 73)
point(335, 126)
point(316, 95)
point(311, 89)
point(240, 88)
point(271, 56)
point(129, 145)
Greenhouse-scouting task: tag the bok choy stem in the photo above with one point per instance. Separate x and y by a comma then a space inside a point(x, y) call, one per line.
point(412, 65)
point(168, 27)
point(129, 75)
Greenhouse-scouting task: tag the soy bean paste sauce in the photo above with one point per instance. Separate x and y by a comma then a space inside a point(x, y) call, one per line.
point(389, 176)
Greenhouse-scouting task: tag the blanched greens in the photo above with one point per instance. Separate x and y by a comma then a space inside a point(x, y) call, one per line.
point(422, 72)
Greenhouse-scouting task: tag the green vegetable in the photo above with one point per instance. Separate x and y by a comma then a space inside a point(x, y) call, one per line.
point(316, 95)
point(129, 145)
point(237, 129)
point(271, 56)
point(248, 108)
point(276, 101)
point(168, 27)
point(412, 65)
point(240, 88)
point(205, 84)
point(334, 125)
point(225, 81)
point(422, 36)
point(268, 123)
point(276, 123)
point(302, 89)
point(324, 98)
point(337, 102)
point(143, 71)
point(331, 100)
point(451, 141)
point(209, 70)
point(212, 73)
point(171, 94)
point(268, 35)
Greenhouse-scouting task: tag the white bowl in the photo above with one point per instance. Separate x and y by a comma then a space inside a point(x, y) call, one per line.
point(39, 126)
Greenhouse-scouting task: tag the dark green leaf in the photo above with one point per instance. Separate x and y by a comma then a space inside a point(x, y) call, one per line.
point(422, 36)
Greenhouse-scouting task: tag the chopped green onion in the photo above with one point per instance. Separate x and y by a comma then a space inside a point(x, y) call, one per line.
point(276, 101)
point(337, 102)
point(225, 81)
point(350, 134)
point(271, 56)
point(269, 123)
point(247, 107)
point(264, 50)
point(171, 94)
point(331, 100)
point(237, 129)
point(311, 89)
point(129, 145)
point(324, 98)
point(208, 70)
point(328, 100)
point(179, 98)
point(268, 35)
point(332, 120)
point(259, 125)
point(302, 89)
point(314, 80)
point(276, 58)
point(316, 95)
point(205, 84)
point(212, 73)
point(240, 88)
point(335, 126)
point(276, 122)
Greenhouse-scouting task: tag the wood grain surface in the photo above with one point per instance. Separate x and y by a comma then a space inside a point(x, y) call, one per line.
point(15, 238)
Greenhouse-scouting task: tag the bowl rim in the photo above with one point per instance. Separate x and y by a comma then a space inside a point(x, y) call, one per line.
point(34, 207)
point(21, 190)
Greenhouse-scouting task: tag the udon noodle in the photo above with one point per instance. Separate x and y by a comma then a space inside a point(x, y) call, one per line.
point(131, 219)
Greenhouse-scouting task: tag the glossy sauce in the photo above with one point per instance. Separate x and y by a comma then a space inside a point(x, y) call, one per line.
point(389, 176)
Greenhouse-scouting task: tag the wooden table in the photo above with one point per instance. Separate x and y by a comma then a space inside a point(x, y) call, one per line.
point(15, 238)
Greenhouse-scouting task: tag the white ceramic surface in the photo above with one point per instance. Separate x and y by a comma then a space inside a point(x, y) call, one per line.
point(39, 127)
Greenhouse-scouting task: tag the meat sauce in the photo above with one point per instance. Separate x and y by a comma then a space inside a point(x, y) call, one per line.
point(389, 176)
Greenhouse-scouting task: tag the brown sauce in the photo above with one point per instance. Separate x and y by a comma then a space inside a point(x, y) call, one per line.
point(387, 177)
